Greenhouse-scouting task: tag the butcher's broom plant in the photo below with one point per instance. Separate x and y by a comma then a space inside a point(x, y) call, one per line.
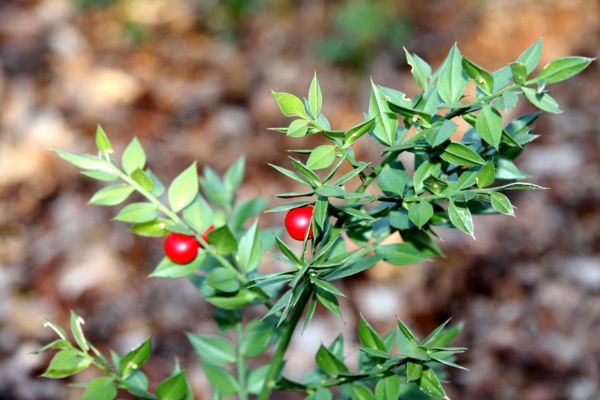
point(350, 215)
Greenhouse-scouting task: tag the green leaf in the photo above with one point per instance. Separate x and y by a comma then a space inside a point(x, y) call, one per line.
point(460, 217)
point(430, 384)
point(297, 128)
point(439, 134)
point(256, 338)
point(100, 389)
point(435, 334)
point(215, 189)
point(519, 186)
point(198, 214)
point(420, 70)
point(321, 157)
point(329, 363)
point(368, 337)
point(168, 269)
point(309, 174)
point(173, 388)
point(328, 287)
point(250, 249)
point(489, 125)
point(66, 363)
point(420, 213)
point(531, 57)
point(287, 252)
point(358, 131)
point(320, 212)
point(223, 279)
point(235, 174)
point(413, 371)
point(502, 77)
point(388, 388)
point(519, 73)
point(329, 302)
point(220, 379)
point(392, 180)
point(562, 69)
point(222, 238)
point(315, 97)
point(137, 212)
point(290, 105)
point(101, 175)
point(212, 349)
point(401, 254)
point(240, 299)
point(507, 170)
point(137, 383)
point(102, 141)
point(462, 155)
point(133, 157)
point(452, 81)
point(480, 75)
point(135, 358)
point(55, 344)
point(257, 378)
point(501, 203)
point(85, 161)
point(291, 174)
point(320, 394)
point(361, 392)
point(422, 172)
point(111, 195)
point(183, 189)
point(543, 100)
point(158, 189)
point(142, 179)
point(331, 191)
point(246, 209)
point(386, 122)
point(57, 329)
point(75, 322)
point(486, 175)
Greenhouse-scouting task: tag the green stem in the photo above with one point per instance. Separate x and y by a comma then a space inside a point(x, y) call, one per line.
point(337, 381)
point(277, 360)
point(482, 100)
point(241, 367)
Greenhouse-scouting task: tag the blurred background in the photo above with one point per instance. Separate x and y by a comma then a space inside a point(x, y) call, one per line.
point(192, 79)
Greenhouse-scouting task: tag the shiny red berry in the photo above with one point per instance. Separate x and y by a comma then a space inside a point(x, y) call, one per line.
point(181, 249)
point(297, 222)
point(205, 234)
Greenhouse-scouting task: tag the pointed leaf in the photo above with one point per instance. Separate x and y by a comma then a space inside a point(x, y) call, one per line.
point(489, 125)
point(452, 82)
point(111, 195)
point(460, 217)
point(133, 157)
point(183, 189)
point(315, 97)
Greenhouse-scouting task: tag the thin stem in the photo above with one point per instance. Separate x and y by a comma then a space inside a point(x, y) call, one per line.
point(241, 367)
point(482, 100)
point(277, 361)
point(337, 381)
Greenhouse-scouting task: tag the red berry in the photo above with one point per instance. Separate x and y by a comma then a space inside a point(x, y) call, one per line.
point(181, 249)
point(206, 232)
point(297, 222)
